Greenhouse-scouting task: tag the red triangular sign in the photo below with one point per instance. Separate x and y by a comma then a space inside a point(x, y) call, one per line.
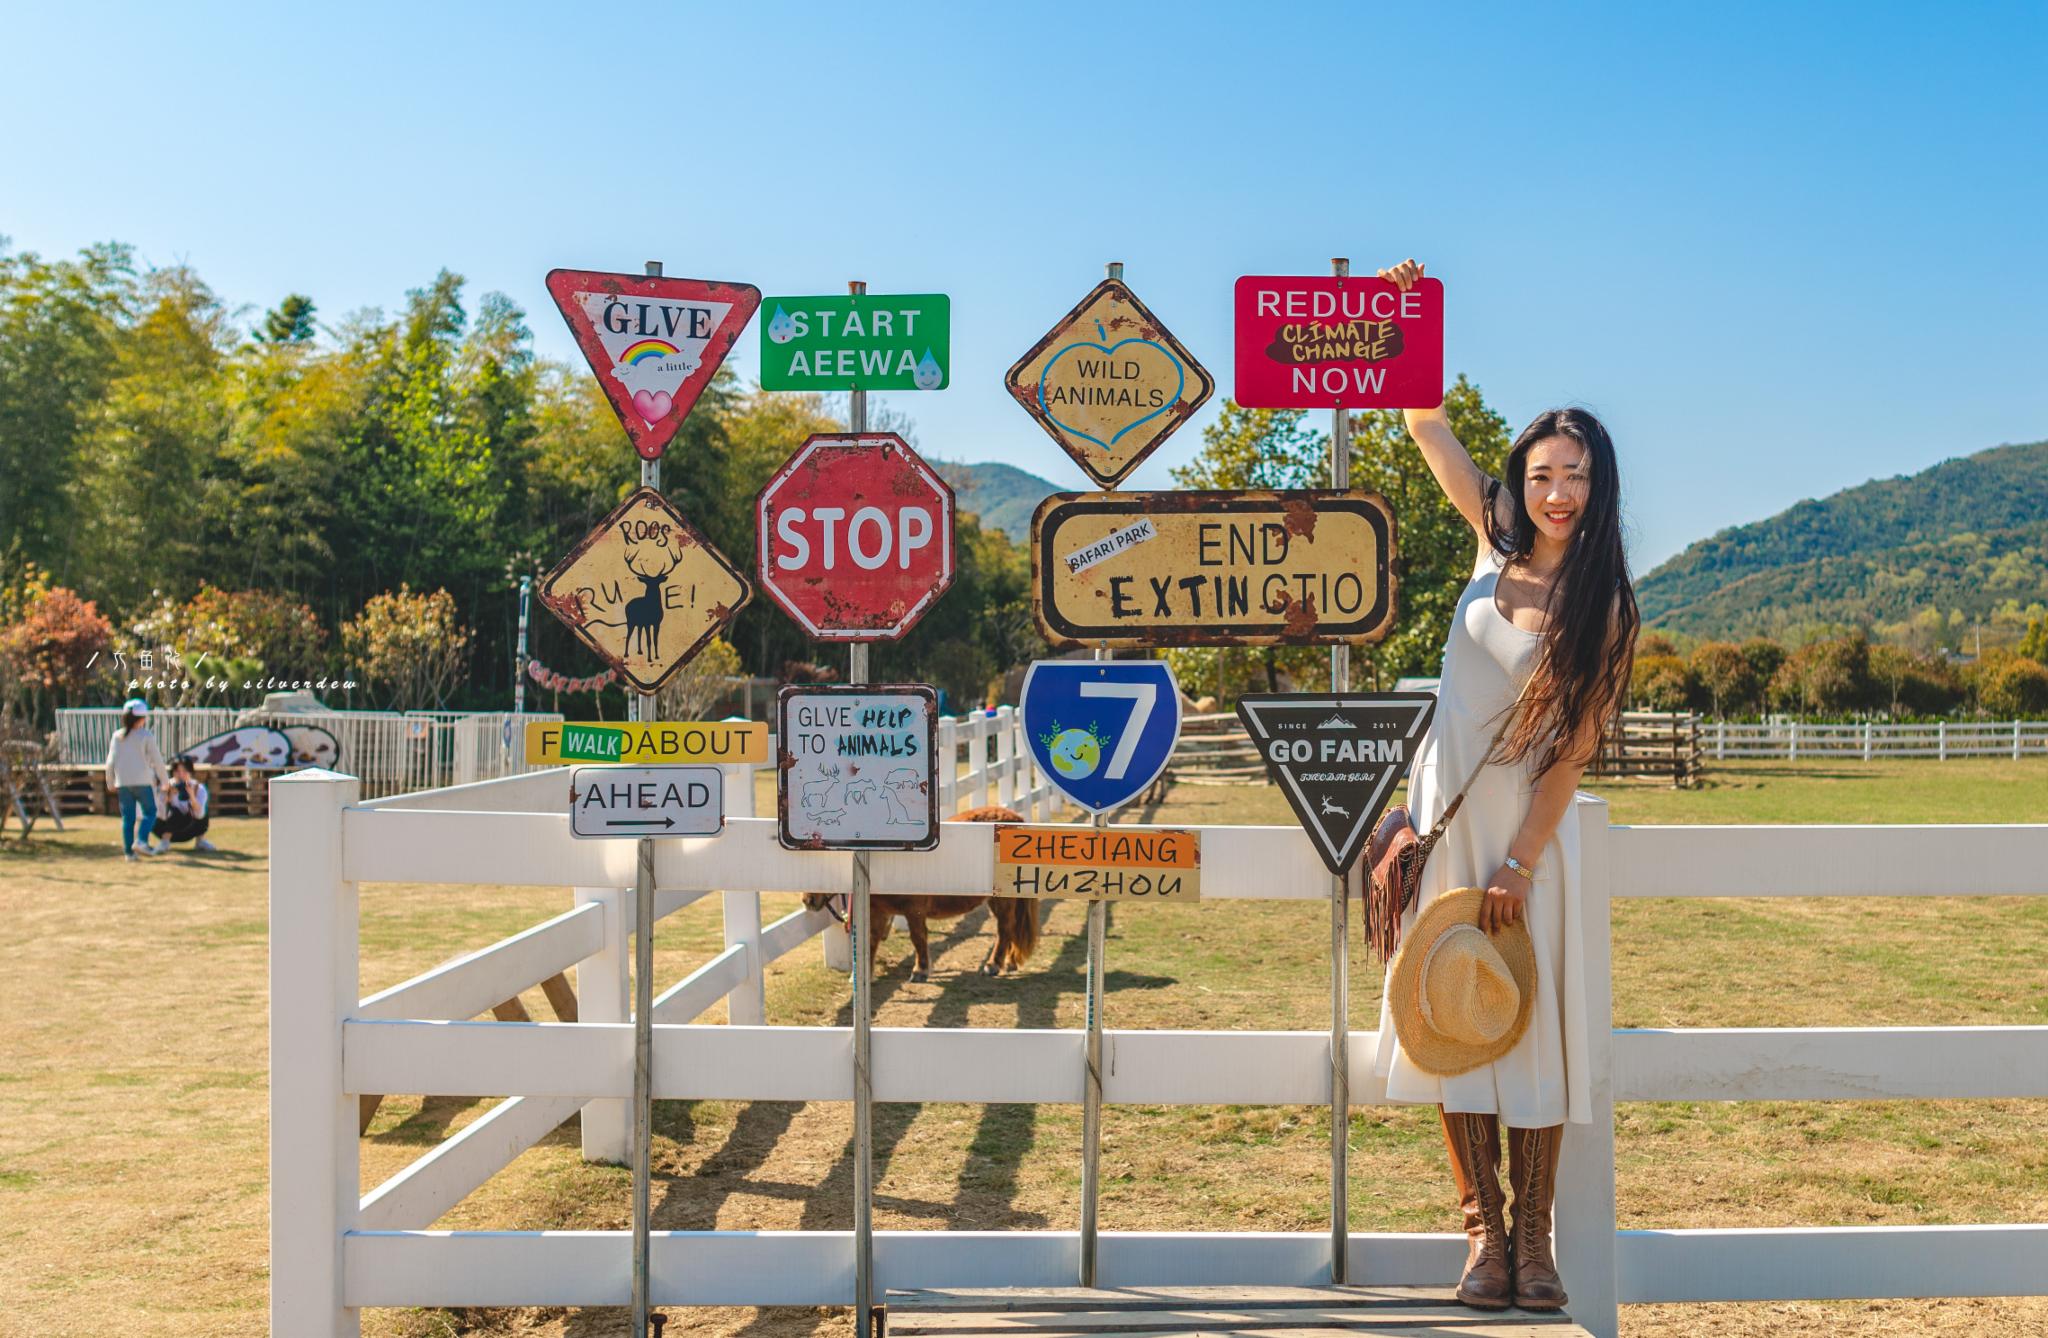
point(653, 343)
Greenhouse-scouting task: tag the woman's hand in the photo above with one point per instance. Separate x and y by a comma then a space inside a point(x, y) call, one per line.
point(1502, 905)
point(1403, 275)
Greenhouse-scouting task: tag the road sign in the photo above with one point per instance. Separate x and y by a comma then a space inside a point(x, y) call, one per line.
point(856, 537)
point(857, 767)
point(1337, 756)
point(1099, 863)
point(611, 803)
point(1308, 567)
point(654, 343)
point(645, 590)
point(1330, 342)
point(858, 341)
point(731, 742)
point(1101, 730)
point(1108, 382)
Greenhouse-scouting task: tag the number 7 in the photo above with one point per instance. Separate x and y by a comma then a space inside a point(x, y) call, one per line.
point(1142, 697)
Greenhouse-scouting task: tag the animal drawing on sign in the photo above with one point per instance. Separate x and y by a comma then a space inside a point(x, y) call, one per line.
point(643, 611)
point(1333, 809)
point(825, 798)
point(900, 787)
point(860, 792)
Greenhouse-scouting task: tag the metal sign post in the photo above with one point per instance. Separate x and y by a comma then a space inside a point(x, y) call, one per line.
point(1098, 942)
point(857, 927)
point(643, 707)
point(1340, 909)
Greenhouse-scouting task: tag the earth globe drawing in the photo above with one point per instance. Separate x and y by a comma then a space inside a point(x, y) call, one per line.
point(1075, 753)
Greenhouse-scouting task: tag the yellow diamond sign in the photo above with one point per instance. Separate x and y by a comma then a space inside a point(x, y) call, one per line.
point(1109, 383)
point(645, 590)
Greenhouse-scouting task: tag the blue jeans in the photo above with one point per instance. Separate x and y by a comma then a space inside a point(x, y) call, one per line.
point(134, 798)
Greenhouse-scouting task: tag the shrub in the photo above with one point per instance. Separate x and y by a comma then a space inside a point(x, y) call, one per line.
point(1660, 683)
point(412, 644)
point(2010, 685)
point(44, 654)
point(1726, 675)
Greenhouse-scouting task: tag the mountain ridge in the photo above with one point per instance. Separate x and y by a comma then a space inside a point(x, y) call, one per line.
point(1004, 496)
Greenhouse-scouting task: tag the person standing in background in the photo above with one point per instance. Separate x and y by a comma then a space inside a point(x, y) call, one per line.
point(184, 811)
point(135, 771)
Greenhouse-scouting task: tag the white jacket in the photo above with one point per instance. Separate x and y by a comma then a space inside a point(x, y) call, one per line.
point(134, 759)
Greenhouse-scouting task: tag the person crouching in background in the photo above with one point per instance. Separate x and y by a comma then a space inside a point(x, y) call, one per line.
point(135, 770)
point(184, 810)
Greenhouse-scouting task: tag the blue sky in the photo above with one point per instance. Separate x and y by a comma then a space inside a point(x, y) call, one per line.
point(1781, 249)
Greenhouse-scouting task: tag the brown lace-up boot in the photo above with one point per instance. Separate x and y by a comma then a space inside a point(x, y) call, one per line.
point(1474, 1145)
point(1532, 1170)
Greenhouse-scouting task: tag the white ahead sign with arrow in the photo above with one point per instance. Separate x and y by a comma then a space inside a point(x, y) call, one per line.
point(631, 802)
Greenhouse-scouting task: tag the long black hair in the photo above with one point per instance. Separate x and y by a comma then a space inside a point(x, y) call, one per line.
point(129, 720)
point(1582, 672)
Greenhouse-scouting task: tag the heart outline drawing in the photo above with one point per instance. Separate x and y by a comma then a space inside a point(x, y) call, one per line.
point(1109, 351)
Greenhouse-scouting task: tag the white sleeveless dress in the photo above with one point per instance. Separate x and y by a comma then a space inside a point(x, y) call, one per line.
point(1543, 1080)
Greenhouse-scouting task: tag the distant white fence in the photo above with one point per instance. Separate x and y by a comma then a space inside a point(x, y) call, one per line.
point(334, 1251)
point(1792, 740)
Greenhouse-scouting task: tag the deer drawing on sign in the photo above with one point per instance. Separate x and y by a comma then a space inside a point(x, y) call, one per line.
point(643, 611)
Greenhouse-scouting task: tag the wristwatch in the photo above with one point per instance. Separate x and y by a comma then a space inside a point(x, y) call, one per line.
point(1522, 869)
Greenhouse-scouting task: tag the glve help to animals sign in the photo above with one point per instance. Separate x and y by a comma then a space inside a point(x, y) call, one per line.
point(1305, 567)
point(645, 590)
point(857, 767)
point(856, 536)
point(653, 343)
point(1109, 382)
point(1331, 342)
point(857, 341)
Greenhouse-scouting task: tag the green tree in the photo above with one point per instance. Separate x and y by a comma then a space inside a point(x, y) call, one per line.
point(1826, 677)
point(413, 645)
point(1725, 674)
point(2010, 685)
point(1438, 549)
point(289, 322)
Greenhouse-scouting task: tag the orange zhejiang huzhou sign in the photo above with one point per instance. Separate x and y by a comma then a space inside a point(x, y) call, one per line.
point(1099, 864)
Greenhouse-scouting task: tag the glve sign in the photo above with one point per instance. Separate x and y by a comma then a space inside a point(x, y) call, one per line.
point(653, 343)
point(1329, 342)
point(857, 767)
point(1109, 383)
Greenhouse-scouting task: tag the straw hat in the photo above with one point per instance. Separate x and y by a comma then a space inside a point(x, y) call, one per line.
point(1460, 998)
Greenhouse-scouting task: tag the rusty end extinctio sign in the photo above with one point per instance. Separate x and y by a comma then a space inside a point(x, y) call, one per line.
point(1239, 568)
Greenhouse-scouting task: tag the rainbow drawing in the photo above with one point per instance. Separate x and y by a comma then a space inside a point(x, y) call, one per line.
point(645, 349)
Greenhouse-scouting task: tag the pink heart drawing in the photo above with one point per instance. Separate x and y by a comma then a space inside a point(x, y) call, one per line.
point(653, 405)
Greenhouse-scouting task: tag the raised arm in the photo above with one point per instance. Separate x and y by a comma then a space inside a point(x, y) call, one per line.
point(1462, 480)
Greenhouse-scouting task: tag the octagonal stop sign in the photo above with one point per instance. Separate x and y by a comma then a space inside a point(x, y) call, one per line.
point(856, 536)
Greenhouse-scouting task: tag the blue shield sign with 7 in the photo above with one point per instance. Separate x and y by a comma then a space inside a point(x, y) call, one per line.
point(1101, 730)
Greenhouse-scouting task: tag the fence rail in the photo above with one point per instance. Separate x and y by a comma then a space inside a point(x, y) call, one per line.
point(1792, 739)
point(327, 1047)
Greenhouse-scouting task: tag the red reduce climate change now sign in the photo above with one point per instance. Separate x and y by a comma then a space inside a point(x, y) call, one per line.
point(856, 536)
point(1324, 342)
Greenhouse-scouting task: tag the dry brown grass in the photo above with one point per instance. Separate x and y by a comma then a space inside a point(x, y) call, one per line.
point(132, 1101)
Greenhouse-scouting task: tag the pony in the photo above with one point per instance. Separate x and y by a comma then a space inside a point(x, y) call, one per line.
point(1016, 917)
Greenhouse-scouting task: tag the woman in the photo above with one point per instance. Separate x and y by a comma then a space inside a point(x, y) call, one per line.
point(135, 771)
point(184, 809)
point(1537, 658)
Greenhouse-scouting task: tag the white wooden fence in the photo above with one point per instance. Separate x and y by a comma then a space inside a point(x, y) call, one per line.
point(1792, 740)
point(333, 1250)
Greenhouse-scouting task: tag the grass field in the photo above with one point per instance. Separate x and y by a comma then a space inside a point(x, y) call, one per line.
point(132, 1078)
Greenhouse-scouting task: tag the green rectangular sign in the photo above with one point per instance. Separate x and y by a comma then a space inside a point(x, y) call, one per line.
point(874, 341)
point(584, 743)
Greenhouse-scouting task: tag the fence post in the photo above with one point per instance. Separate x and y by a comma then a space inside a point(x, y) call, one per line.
point(601, 997)
point(746, 1006)
point(979, 771)
point(1006, 756)
point(1941, 738)
point(1795, 741)
point(1866, 740)
point(314, 1172)
point(949, 767)
point(1585, 1205)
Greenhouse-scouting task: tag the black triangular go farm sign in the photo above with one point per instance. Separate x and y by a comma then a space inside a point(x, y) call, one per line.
point(1337, 755)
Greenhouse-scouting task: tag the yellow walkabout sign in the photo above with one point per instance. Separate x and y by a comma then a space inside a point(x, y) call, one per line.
point(645, 590)
point(1236, 568)
point(1099, 863)
point(731, 742)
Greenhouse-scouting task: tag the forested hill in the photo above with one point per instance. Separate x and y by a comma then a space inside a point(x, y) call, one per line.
point(1004, 496)
point(1967, 535)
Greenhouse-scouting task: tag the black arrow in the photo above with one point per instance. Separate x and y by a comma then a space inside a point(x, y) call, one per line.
point(641, 822)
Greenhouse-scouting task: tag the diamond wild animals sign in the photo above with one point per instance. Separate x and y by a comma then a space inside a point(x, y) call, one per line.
point(653, 343)
point(1109, 383)
point(645, 590)
point(1337, 757)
